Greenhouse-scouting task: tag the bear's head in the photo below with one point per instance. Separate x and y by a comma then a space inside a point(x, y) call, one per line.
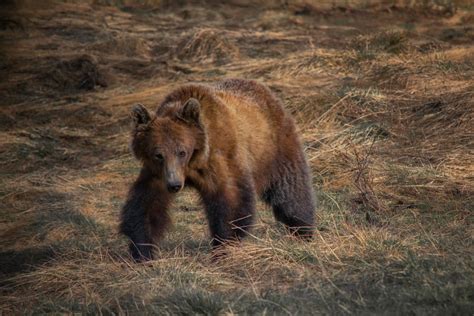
point(167, 143)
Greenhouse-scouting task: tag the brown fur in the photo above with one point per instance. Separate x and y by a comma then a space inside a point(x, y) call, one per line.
point(238, 143)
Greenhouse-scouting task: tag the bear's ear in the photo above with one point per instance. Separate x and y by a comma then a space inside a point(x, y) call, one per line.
point(140, 115)
point(190, 112)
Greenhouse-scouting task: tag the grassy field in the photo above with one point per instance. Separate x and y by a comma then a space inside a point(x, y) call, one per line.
point(383, 95)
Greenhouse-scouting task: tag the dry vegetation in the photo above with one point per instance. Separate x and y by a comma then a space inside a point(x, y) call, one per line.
point(384, 98)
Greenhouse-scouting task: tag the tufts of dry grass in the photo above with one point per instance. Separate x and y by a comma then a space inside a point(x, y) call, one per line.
point(382, 93)
point(207, 44)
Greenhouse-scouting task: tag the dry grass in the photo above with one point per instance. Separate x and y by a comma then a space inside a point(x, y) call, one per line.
point(382, 93)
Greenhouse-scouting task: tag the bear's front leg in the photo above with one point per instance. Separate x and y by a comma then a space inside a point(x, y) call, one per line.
point(230, 212)
point(144, 216)
point(218, 211)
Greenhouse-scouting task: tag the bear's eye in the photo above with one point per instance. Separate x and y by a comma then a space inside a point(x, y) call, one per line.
point(159, 157)
point(182, 153)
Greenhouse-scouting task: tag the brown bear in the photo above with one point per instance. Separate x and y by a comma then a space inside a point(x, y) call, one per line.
point(232, 141)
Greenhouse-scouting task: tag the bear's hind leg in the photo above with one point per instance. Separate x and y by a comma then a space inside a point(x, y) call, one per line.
point(291, 198)
point(296, 218)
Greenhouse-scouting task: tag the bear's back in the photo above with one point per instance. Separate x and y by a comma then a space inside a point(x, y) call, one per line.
point(216, 95)
point(244, 122)
point(255, 92)
point(236, 103)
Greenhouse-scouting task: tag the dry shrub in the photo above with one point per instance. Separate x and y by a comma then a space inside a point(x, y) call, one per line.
point(366, 199)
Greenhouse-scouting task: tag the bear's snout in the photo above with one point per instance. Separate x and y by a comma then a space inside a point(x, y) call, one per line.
point(174, 187)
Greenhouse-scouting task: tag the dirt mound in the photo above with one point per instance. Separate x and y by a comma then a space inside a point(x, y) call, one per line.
point(207, 45)
point(74, 74)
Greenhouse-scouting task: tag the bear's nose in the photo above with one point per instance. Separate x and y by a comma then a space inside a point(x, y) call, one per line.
point(174, 187)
